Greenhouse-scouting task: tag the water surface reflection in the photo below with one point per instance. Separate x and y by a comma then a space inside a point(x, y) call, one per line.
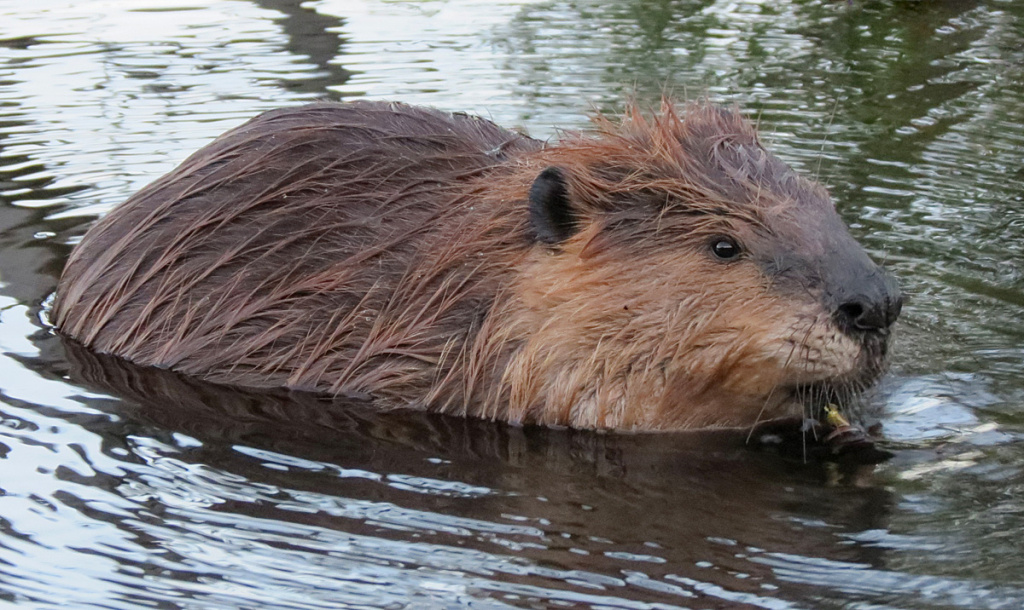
point(546, 513)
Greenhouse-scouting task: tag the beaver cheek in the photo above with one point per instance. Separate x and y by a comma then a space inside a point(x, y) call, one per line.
point(731, 388)
point(739, 400)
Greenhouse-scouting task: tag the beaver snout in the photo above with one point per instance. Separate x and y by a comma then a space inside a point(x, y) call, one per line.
point(864, 300)
point(873, 308)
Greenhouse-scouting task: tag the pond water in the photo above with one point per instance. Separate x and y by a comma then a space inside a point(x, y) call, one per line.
point(171, 494)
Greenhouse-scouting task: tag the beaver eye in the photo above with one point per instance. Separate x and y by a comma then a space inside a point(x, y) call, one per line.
point(725, 248)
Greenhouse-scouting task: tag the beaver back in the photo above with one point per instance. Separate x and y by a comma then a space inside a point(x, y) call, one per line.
point(309, 248)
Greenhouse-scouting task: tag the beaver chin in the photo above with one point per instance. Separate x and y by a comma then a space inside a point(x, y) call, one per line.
point(810, 397)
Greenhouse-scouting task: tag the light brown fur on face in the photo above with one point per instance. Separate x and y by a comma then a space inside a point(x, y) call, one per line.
point(391, 251)
point(662, 349)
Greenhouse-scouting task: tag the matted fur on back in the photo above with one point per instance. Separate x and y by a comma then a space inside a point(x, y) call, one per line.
point(309, 248)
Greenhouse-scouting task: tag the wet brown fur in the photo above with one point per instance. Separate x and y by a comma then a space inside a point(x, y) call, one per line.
point(386, 250)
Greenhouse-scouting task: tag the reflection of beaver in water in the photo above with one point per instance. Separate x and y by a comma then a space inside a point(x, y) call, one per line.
point(663, 273)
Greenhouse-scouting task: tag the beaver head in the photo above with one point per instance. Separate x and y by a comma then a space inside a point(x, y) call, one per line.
point(685, 277)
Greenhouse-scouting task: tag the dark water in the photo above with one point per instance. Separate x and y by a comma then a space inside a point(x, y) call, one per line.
point(179, 495)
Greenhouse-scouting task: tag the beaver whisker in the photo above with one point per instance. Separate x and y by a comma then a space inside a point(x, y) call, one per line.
point(794, 344)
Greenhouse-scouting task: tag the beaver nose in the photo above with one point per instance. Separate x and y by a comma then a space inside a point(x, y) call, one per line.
point(873, 313)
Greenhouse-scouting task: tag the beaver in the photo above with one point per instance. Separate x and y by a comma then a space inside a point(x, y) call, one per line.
point(661, 271)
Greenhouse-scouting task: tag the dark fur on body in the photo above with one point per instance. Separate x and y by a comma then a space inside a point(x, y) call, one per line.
point(398, 252)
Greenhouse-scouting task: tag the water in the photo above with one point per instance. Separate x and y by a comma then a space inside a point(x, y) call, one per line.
point(172, 494)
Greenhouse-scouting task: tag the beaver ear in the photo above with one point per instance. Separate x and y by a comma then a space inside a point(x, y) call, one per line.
point(551, 212)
